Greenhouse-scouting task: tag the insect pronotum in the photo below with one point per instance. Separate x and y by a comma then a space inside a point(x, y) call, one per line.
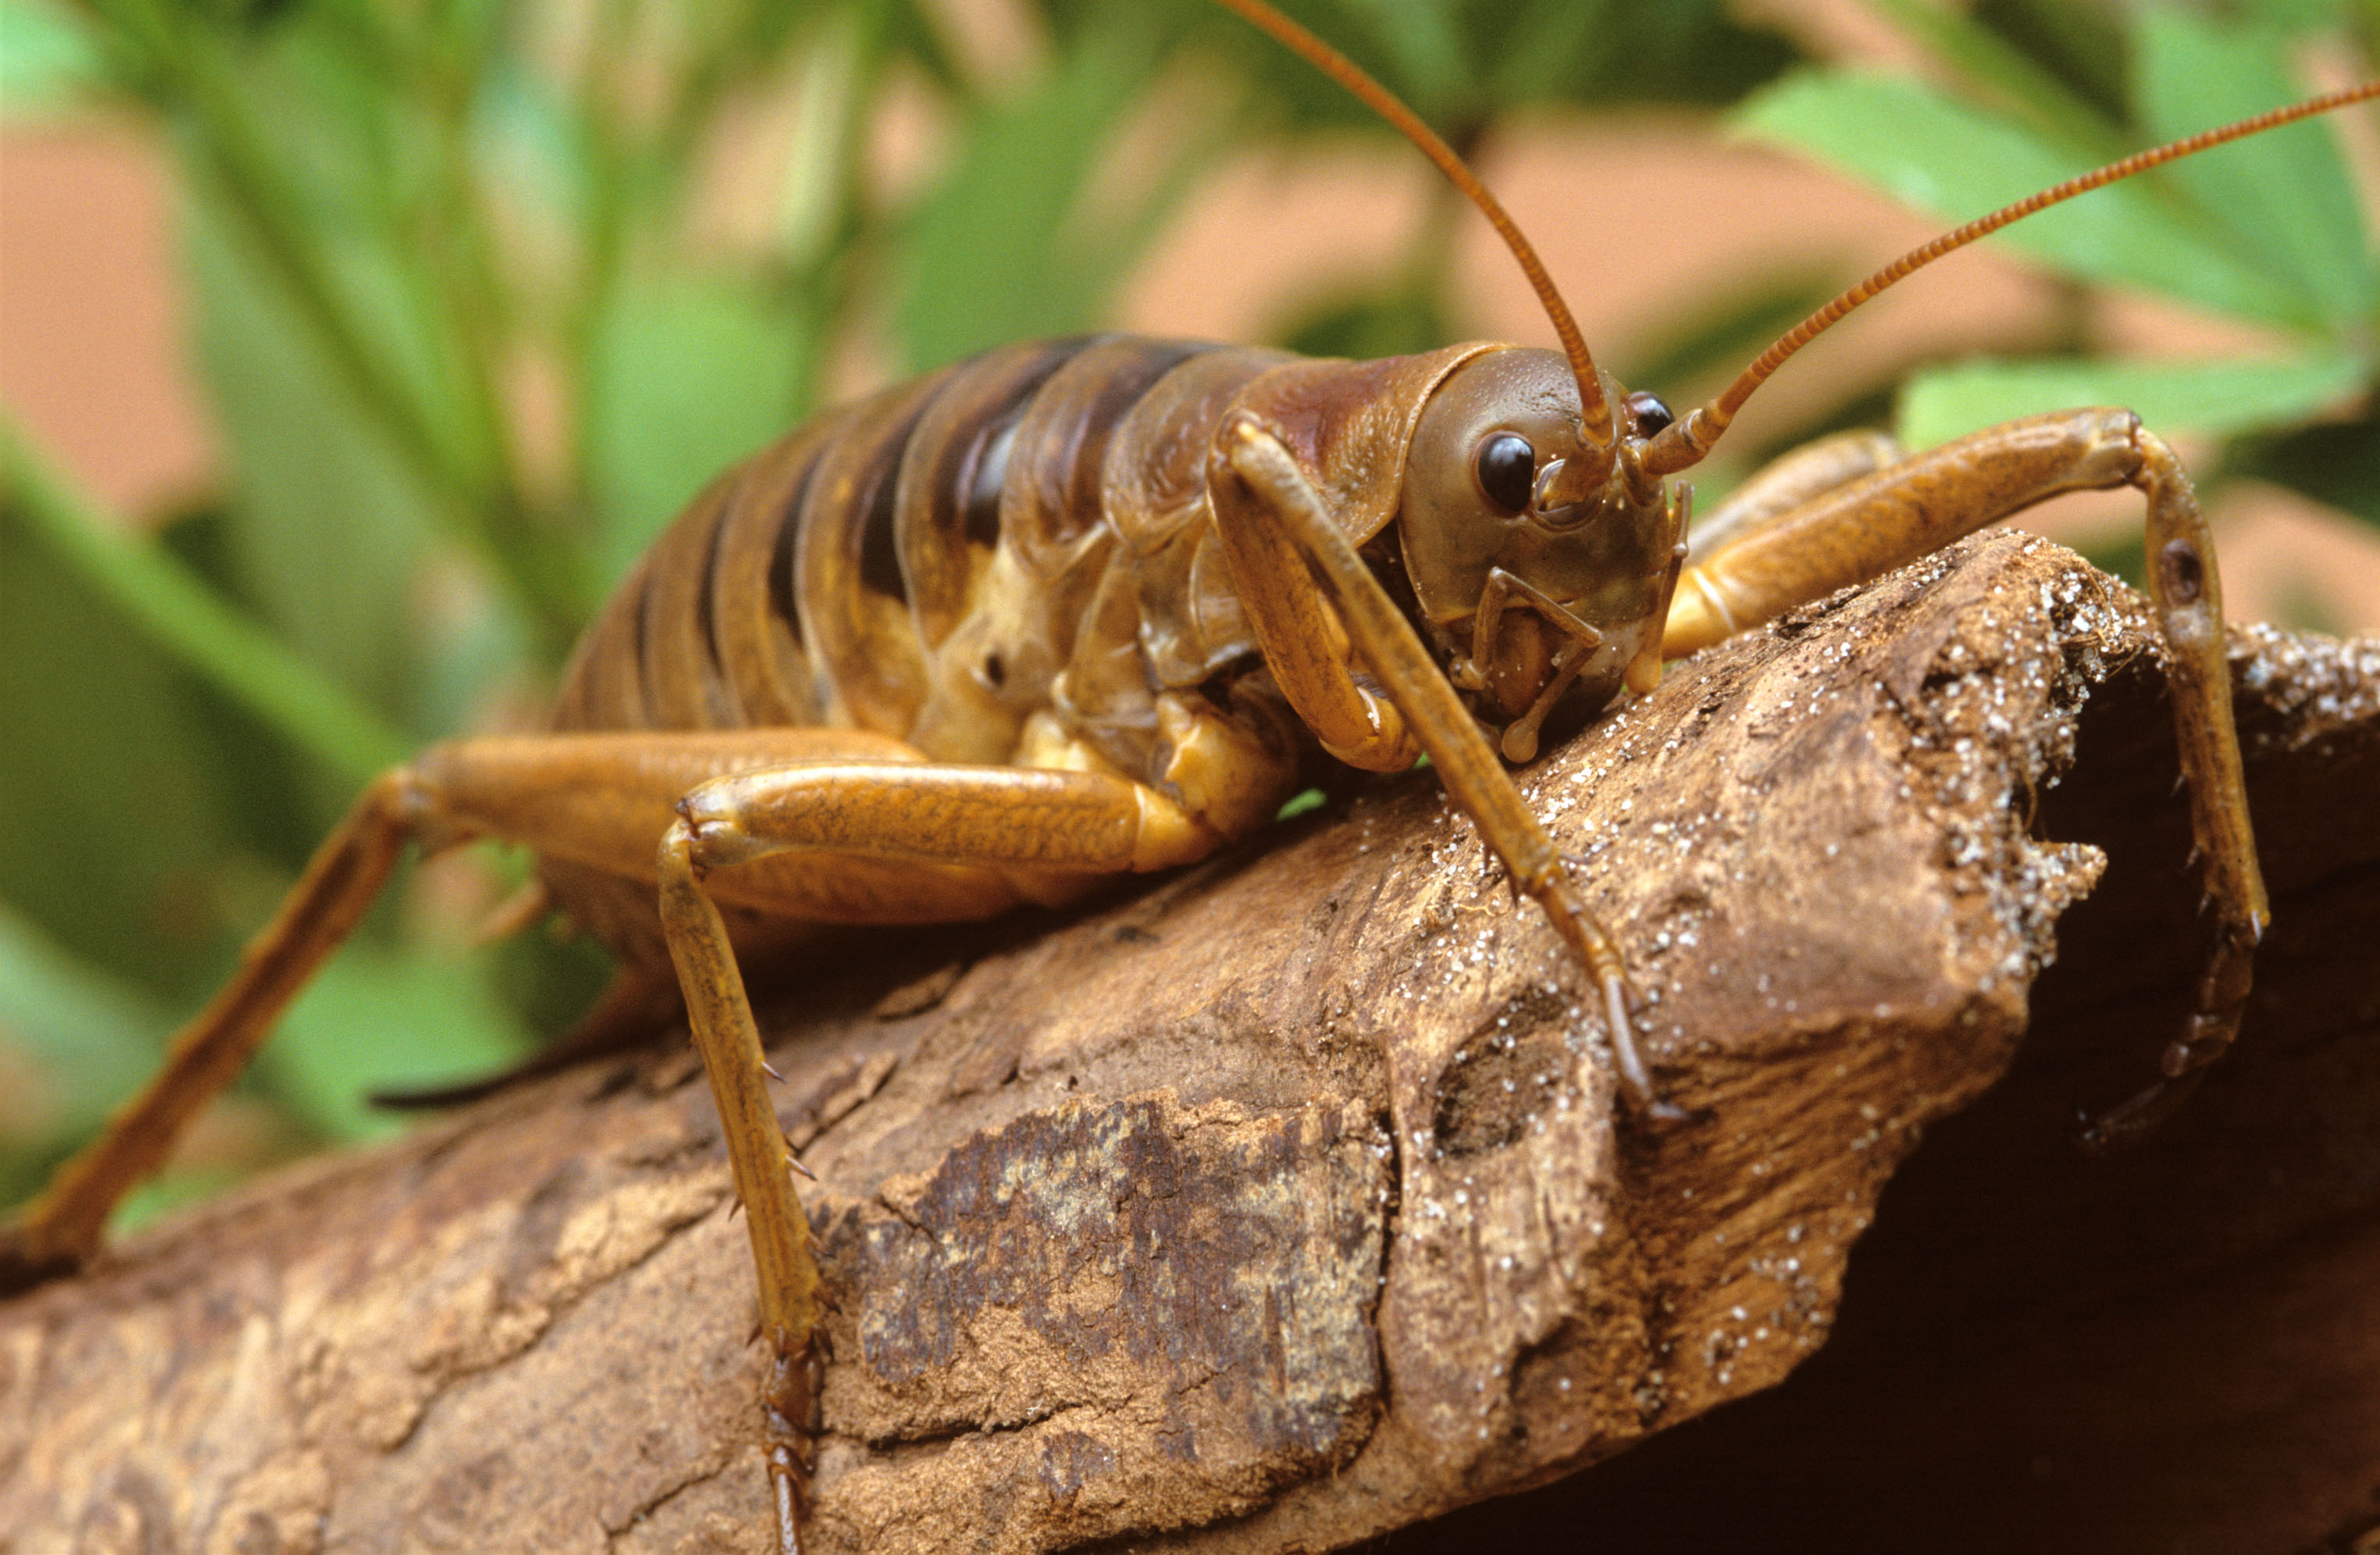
point(1080, 607)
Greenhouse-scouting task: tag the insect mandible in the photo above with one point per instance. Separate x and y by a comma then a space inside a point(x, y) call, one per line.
point(1072, 609)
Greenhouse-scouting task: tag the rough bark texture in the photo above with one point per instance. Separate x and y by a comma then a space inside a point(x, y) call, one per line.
point(1284, 1205)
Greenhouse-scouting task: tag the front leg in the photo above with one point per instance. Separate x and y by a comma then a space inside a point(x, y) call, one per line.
point(1280, 543)
point(1870, 525)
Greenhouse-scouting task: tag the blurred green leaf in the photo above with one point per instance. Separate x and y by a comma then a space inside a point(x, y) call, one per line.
point(1302, 803)
point(2337, 463)
point(2307, 16)
point(2283, 197)
point(528, 142)
point(59, 1008)
point(373, 1019)
point(2074, 105)
point(187, 619)
point(168, 1191)
point(914, 32)
point(1959, 162)
point(690, 375)
point(47, 59)
point(352, 210)
point(1710, 339)
point(331, 530)
point(1611, 53)
point(1464, 64)
point(2084, 45)
point(90, 1037)
point(1425, 44)
point(114, 800)
point(1002, 249)
point(2266, 230)
point(1397, 323)
point(2215, 397)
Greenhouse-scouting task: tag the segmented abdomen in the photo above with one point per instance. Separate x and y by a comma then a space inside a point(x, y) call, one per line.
point(941, 561)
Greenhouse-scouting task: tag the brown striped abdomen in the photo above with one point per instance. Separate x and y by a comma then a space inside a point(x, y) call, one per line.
point(1024, 533)
point(929, 563)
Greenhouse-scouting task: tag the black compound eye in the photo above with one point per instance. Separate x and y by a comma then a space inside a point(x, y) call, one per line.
point(1508, 470)
point(1649, 414)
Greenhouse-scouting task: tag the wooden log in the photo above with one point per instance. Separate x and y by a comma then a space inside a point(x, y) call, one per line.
point(1284, 1204)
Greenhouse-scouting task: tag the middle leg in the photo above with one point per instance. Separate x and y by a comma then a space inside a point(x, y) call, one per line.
point(1037, 828)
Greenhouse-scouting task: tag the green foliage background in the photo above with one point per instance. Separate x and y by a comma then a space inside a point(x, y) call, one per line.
point(393, 213)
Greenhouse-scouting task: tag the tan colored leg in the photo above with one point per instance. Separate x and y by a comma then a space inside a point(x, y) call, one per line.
point(1306, 641)
point(1795, 476)
point(1879, 521)
point(986, 816)
point(1869, 525)
point(1281, 529)
point(757, 1154)
point(2188, 593)
point(886, 829)
point(1014, 818)
point(601, 799)
point(60, 1230)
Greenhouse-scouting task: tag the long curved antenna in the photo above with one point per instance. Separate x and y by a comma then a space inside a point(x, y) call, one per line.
point(1598, 430)
point(1684, 442)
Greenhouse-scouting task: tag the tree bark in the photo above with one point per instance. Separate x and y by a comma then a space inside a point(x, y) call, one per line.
point(1286, 1204)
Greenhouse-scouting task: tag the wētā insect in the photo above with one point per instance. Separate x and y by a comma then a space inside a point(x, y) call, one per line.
point(1076, 607)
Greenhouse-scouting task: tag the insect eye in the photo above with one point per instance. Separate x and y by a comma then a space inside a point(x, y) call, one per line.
point(1508, 470)
point(1649, 414)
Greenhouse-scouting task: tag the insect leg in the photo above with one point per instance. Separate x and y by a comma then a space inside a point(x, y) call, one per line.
point(1038, 822)
point(1789, 480)
point(603, 799)
point(1900, 513)
point(1025, 821)
point(1866, 527)
point(60, 1230)
point(2188, 594)
point(756, 1155)
point(1278, 538)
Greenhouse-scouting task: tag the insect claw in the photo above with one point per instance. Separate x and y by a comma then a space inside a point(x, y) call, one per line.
point(2131, 1120)
point(1636, 1083)
point(1671, 1114)
point(771, 1070)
